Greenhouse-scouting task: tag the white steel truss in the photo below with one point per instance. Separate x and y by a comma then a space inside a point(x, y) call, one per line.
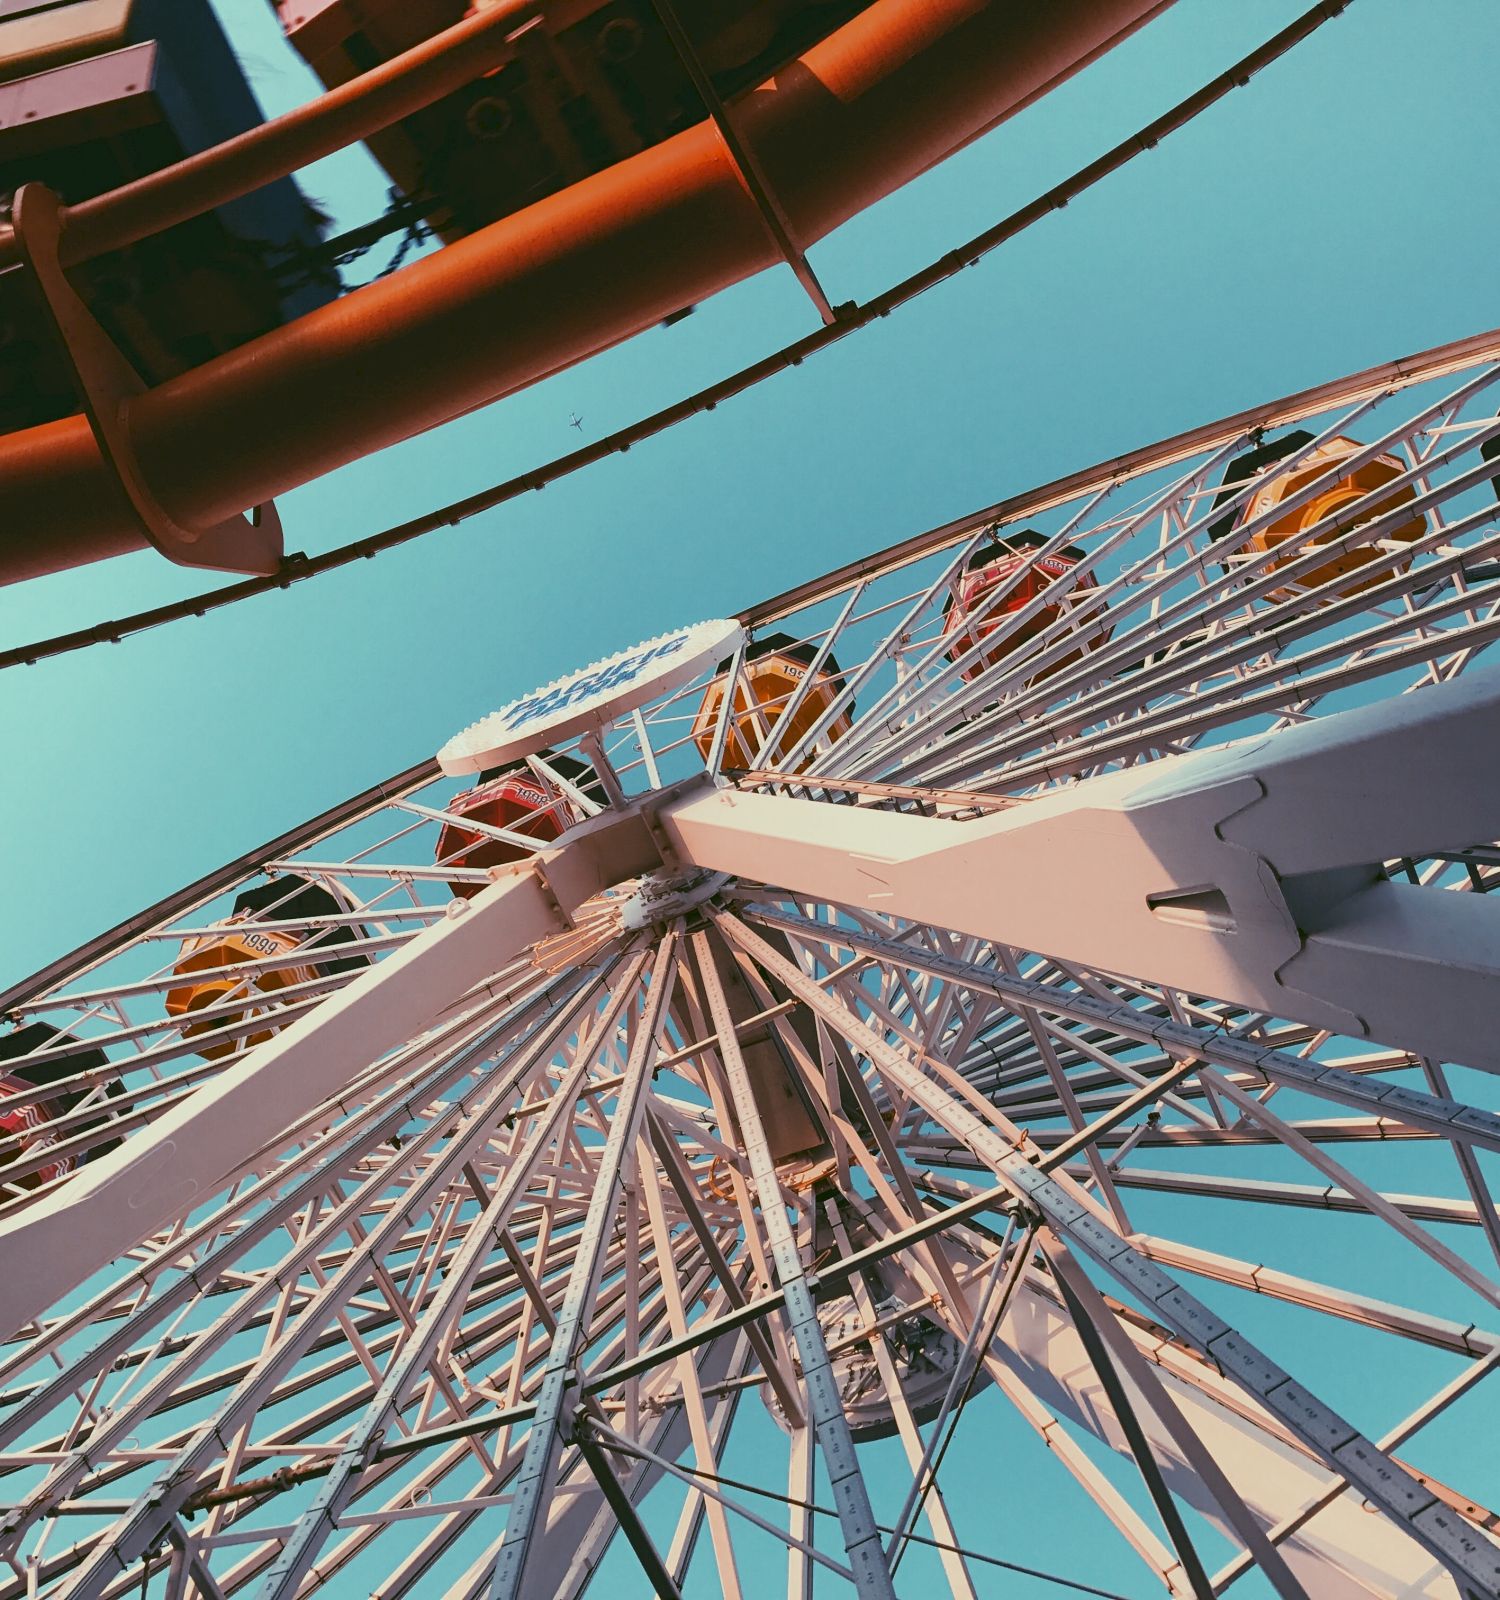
point(953, 1072)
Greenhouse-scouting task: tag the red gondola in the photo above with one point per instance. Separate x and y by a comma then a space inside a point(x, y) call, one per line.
point(32, 1119)
point(517, 799)
point(995, 564)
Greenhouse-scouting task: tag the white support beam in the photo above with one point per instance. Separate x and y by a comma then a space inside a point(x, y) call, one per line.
point(1469, 1554)
point(536, 1480)
point(442, 1312)
point(1248, 873)
point(115, 1203)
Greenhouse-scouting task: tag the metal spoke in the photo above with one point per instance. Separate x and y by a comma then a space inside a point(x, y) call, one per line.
point(861, 1540)
point(534, 1483)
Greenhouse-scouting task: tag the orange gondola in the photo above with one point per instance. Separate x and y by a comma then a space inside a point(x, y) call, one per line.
point(208, 962)
point(1342, 493)
point(994, 564)
point(773, 672)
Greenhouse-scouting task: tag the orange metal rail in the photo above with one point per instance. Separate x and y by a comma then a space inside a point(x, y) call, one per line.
point(895, 90)
point(298, 568)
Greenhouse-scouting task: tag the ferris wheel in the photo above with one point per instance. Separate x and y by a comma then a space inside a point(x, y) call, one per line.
point(678, 1137)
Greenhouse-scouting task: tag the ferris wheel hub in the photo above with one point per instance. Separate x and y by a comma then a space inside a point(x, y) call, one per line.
point(660, 896)
point(646, 902)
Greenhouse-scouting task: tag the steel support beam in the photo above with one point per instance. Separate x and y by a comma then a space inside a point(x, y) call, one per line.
point(1095, 1326)
point(1251, 873)
point(153, 1178)
point(444, 1309)
point(1449, 1119)
point(663, 1585)
point(752, 174)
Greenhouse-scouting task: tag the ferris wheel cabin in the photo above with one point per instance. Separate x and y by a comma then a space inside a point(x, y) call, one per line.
point(773, 673)
point(225, 964)
point(1364, 480)
point(1008, 567)
point(30, 1124)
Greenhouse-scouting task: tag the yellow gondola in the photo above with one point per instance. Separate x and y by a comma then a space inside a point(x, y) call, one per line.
point(1344, 492)
point(208, 963)
point(774, 670)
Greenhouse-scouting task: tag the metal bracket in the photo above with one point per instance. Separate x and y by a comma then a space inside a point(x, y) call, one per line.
point(757, 183)
point(108, 384)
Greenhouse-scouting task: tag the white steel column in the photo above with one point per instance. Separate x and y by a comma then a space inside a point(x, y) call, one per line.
point(160, 1174)
point(534, 1484)
point(1450, 1119)
point(1248, 873)
point(484, 1235)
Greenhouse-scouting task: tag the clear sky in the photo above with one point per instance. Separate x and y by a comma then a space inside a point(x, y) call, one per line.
point(1339, 211)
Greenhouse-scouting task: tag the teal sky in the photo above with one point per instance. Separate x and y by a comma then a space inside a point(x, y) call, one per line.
point(1340, 210)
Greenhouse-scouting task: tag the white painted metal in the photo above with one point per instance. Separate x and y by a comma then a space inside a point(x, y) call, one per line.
point(1128, 880)
point(1327, 1435)
point(824, 1406)
point(1345, 1553)
point(1248, 873)
point(552, 1425)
